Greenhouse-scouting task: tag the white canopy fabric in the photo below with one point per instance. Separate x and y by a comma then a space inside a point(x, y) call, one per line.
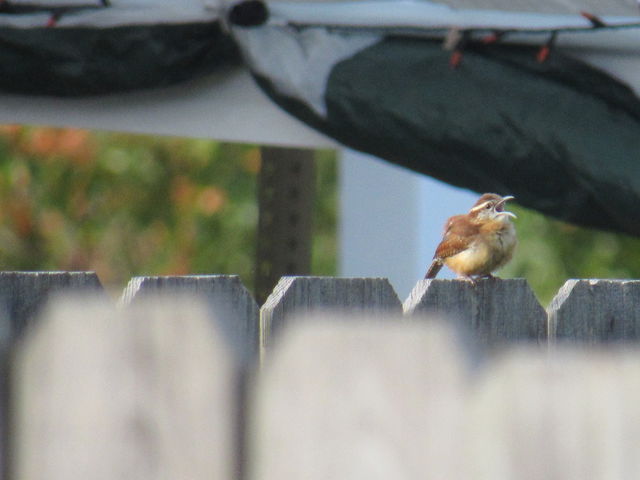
point(420, 14)
point(597, 7)
point(95, 14)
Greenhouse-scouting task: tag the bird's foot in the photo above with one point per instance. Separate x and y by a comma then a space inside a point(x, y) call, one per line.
point(474, 280)
point(468, 278)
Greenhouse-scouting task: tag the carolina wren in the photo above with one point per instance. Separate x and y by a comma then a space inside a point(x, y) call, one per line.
point(479, 242)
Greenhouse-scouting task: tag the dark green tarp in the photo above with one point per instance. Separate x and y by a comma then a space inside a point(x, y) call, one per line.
point(561, 136)
point(78, 61)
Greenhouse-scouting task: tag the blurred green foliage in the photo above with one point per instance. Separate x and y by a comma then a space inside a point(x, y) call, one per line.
point(324, 256)
point(125, 205)
point(550, 252)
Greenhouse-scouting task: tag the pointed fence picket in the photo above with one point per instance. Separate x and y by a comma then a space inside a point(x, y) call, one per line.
point(496, 311)
point(596, 311)
point(229, 302)
point(144, 392)
point(293, 297)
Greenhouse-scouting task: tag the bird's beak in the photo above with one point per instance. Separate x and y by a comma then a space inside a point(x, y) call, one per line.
point(500, 207)
point(508, 214)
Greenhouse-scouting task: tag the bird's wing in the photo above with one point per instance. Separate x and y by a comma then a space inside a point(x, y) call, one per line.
point(457, 237)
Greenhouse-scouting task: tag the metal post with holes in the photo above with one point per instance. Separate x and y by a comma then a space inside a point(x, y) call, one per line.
point(285, 196)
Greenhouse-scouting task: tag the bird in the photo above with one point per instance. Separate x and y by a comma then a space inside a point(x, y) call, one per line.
point(479, 242)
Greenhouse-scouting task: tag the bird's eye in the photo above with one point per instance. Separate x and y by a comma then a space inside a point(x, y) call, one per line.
point(488, 207)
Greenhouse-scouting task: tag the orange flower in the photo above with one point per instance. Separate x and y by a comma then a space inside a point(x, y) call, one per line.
point(73, 143)
point(76, 144)
point(43, 141)
point(211, 200)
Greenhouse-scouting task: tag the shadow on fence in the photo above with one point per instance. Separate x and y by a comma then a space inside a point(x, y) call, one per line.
point(187, 378)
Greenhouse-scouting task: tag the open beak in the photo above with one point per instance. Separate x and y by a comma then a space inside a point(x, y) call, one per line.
point(500, 207)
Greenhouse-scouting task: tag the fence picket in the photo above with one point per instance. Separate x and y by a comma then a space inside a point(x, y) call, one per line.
point(566, 416)
point(596, 311)
point(356, 399)
point(23, 294)
point(497, 311)
point(293, 296)
point(147, 392)
point(232, 305)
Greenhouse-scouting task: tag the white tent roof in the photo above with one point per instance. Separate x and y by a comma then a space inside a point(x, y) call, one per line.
point(597, 7)
point(470, 14)
point(226, 106)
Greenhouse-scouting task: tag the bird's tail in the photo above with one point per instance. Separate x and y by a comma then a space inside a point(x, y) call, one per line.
point(434, 268)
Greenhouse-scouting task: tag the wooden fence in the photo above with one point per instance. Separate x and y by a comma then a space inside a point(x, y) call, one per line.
point(332, 378)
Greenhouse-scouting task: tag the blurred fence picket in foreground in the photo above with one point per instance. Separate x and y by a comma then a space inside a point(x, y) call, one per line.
point(460, 381)
point(144, 392)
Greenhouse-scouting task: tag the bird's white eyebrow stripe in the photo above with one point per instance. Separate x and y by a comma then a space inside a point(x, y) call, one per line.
point(480, 207)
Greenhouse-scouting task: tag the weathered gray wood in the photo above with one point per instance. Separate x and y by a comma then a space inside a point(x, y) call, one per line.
point(143, 393)
point(22, 294)
point(230, 302)
point(497, 311)
point(355, 399)
point(595, 311)
point(563, 417)
point(294, 296)
point(22, 297)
